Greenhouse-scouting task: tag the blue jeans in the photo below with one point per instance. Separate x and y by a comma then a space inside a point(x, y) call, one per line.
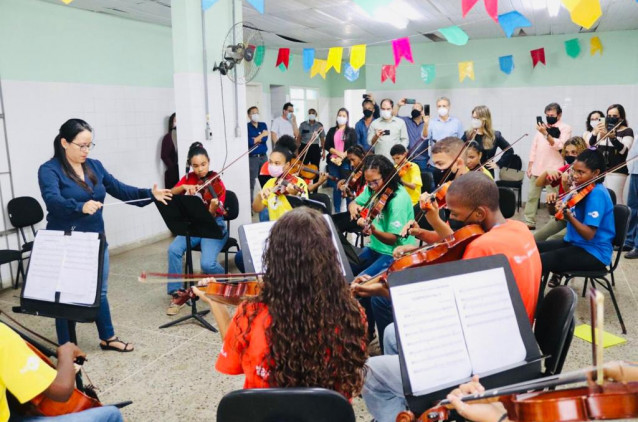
point(632, 203)
point(103, 321)
point(210, 249)
point(97, 414)
point(383, 387)
point(336, 171)
point(264, 216)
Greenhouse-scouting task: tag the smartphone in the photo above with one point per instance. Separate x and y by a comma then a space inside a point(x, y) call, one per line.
point(602, 120)
point(410, 101)
point(539, 120)
point(386, 132)
point(365, 96)
point(426, 109)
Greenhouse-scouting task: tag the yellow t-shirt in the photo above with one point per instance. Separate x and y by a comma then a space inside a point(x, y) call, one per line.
point(278, 205)
point(22, 372)
point(487, 172)
point(413, 176)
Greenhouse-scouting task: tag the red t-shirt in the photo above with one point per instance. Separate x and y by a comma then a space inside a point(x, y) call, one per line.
point(192, 179)
point(263, 171)
point(557, 182)
point(514, 240)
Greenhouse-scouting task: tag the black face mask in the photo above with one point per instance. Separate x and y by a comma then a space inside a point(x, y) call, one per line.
point(367, 113)
point(415, 114)
point(570, 160)
point(458, 224)
point(554, 131)
point(551, 120)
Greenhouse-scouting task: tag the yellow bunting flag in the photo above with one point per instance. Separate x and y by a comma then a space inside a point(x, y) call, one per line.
point(584, 12)
point(595, 46)
point(66, 1)
point(357, 56)
point(466, 70)
point(334, 59)
point(320, 67)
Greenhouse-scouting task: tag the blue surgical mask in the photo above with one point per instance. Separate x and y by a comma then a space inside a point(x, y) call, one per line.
point(289, 115)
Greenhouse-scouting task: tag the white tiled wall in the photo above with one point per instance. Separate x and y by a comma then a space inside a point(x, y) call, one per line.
point(129, 124)
point(514, 110)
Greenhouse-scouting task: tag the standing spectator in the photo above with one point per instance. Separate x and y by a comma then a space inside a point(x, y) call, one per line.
point(286, 124)
point(488, 139)
point(631, 243)
point(387, 131)
point(364, 123)
point(545, 155)
point(306, 131)
point(339, 139)
point(415, 124)
point(591, 124)
point(442, 126)
point(257, 134)
point(169, 153)
point(615, 148)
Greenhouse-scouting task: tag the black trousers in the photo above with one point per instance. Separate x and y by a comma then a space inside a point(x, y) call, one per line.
point(558, 256)
point(313, 156)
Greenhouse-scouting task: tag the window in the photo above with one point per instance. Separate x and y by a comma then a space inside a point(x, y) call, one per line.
point(303, 99)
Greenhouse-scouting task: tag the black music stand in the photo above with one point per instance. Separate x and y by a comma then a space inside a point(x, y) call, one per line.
point(188, 216)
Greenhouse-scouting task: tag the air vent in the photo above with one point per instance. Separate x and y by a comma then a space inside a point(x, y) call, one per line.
point(433, 37)
point(291, 39)
point(521, 33)
point(585, 30)
point(113, 9)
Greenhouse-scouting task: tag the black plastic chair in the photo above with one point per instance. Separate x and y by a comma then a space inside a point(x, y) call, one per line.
point(232, 212)
point(323, 198)
point(428, 181)
point(507, 202)
point(24, 211)
point(621, 219)
point(285, 405)
point(514, 163)
point(554, 327)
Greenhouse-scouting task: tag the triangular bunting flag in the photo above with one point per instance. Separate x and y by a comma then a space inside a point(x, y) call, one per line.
point(428, 72)
point(350, 73)
point(491, 6)
point(512, 20)
point(257, 4)
point(466, 70)
point(69, 1)
point(538, 56)
point(389, 71)
point(454, 35)
point(283, 57)
point(401, 48)
point(584, 12)
point(572, 47)
point(370, 6)
point(308, 59)
point(506, 63)
point(319, 66)
point(334, 59)
point(596, 46)
point(357, 56)
point(259, 55)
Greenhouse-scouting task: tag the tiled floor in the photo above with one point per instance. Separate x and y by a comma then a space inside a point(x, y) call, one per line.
point(170, 376)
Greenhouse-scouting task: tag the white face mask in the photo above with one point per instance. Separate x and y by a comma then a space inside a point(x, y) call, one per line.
point(312, 117)
point(275, 170)
point(341, 120)
point(594, 123)
point(289, 115)
point(386, 114)
point(477, 123)
point(442, 111)
point(254, 117)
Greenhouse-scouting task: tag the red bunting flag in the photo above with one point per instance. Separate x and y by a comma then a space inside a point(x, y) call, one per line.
point(389, 71)
point(283, 57)
point(490, 5)
point(538, 55)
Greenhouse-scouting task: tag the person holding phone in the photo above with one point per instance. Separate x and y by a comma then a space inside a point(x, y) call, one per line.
point(488, 139)
point(414, 124)
point(545, 155)
point(387, 131)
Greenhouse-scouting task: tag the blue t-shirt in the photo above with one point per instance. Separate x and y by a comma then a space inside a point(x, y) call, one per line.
point(362, 133)
point(254, 132)
point(595, 210)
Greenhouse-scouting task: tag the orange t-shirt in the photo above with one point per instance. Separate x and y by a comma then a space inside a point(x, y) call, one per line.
point(232, 360)
point(514, 240)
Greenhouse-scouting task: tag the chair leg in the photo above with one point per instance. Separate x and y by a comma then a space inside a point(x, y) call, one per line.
point(610, 289)
point(585, 286)
point(613, 280)
point(226, 262)
point(541, 291)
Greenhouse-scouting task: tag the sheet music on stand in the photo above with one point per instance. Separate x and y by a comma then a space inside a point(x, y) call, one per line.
point(64, 269)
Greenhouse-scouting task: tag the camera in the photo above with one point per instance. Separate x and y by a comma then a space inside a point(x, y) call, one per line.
point(386, 132)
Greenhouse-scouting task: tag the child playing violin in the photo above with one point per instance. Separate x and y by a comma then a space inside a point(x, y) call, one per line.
point(355, 155)
point(409, 172)
point(473, 156)
point(587, 245)
point(191, 185)
point(381, 177)
point(304, 329)
point(282, 183)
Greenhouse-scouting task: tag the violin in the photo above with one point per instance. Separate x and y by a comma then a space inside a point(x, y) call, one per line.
point(369, 214)
point(438, 196)
point(232, 293)
point(308, 171)
point(284, 182)
point(572, 200)
point(213, 188)
point(353, 183)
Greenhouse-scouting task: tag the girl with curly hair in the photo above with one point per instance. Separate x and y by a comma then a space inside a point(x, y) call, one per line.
point(304, 328)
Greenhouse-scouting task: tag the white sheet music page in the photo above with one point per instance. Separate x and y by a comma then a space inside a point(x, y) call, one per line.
point(45, 265)
point(256, 236)
point(334, 242)
point(78, 278)
point(491, 330)
point(431, 335)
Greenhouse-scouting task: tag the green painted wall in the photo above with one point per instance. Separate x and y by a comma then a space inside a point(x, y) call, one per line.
point(52, 43)
point(616, 66)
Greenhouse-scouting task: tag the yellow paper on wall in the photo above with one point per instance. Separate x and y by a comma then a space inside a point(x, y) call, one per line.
point(357, 56)
point(466, 70)
point(584, 332)
point(320, 67)
point(334, 59)
point(595, 46)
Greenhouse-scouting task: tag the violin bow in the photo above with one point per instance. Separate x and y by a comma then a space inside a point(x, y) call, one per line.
point(613, 129)
point(597, 301)
point(162, 278)
point(36, 343)
point(503, 151)
point(218, 175)
point(304, 151)
point(594, 179)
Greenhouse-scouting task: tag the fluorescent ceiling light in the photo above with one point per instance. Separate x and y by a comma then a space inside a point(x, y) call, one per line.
point(398, 14)
point(553, 7)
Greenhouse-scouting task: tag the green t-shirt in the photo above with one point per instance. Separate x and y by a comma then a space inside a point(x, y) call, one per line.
point(396, 213)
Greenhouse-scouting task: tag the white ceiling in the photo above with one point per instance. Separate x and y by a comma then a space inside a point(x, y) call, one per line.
point(327, 23)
